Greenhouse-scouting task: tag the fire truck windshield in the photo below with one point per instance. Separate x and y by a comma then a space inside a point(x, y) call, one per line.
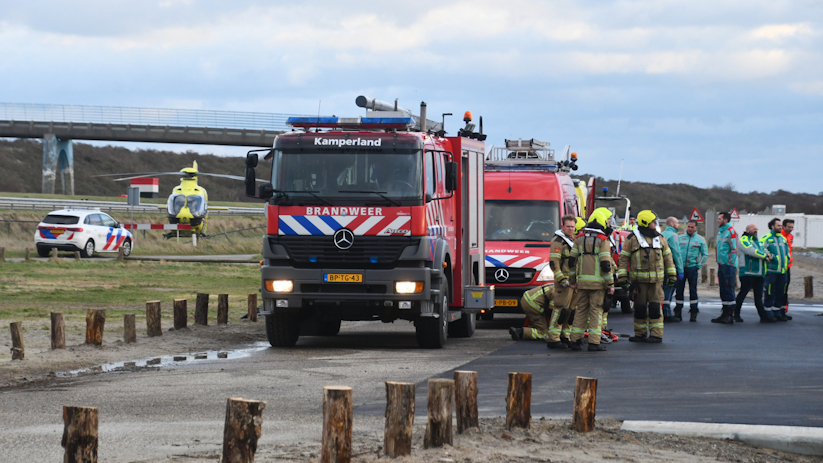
point(518, 220)
point(348, 176)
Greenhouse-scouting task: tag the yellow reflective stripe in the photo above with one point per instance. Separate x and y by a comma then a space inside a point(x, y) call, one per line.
point(656, 325)
point(531, 302)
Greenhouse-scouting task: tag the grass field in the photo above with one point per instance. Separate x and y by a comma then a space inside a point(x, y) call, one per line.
point(17, 233)
point(32, 290)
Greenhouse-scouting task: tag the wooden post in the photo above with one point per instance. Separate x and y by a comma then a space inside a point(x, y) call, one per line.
point(153, 319)
point(704, 274)
point(585, 393)
point(201, 310)
point(28, 254)
point(58, 331)
point(439, 403)
point(120, 254)
point(337, 424)
point(181, 314)
point(519, 401)
point(242, 429)
point(712, 278)
point(95, 321)
point(18, 351)
point(129, 330)
point(397, 439)
point(222, 309)
point(465, 400)
point(76, 255)
point(2, 254)
point(252, 307)
point(79, 434)
point(54, 257)
point(808, 283)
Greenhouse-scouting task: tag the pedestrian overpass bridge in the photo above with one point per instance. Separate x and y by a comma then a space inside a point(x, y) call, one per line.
point(58, 125)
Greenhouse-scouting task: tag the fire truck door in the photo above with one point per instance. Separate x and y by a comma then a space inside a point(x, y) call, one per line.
point(472, 215)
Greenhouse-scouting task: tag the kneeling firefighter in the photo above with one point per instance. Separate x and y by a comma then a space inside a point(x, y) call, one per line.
point(645, 265)
point(537, 305)
point(590, 267)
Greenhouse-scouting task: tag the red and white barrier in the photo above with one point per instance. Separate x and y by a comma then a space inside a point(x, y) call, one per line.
point(156, 226)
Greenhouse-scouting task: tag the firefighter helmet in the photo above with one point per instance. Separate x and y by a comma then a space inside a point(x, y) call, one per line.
point(607, 214)
point(579, 225)
point(598, 218)
point(646, 218)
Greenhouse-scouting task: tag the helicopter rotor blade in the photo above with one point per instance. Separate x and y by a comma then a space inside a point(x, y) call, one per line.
point(149, 175)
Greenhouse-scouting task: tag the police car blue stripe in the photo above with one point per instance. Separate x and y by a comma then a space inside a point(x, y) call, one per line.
point(331, 222)
point(306, 223)
point(108, 237)
point(495, 262)
point(285, 228)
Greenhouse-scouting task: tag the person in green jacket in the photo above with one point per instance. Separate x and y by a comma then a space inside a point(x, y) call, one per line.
point(695, 253)
point(670, 233)
point(752, 271)
point(726, 266)
point(775, 280)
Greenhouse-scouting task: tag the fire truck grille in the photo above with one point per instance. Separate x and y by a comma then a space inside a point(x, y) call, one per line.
point(365, 252)
point(343, 288)
point(516, 276)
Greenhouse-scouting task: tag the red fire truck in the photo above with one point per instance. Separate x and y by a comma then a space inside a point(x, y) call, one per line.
point(373, 218)
point(527, 192)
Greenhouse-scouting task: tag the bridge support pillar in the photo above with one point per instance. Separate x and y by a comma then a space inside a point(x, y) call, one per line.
point(58, 157)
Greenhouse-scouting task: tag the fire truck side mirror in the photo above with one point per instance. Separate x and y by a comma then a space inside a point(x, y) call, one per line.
point(265, 191)
point(451, 176)
point(250, 181)
point(251, 160)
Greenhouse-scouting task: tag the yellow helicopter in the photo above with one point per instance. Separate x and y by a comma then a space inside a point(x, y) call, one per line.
point(188, 202)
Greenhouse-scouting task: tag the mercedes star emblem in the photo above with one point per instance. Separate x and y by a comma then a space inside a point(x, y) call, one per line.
point(344, 239)
point(501, 275)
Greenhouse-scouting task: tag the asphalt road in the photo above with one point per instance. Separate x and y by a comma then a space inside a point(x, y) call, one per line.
point(745, 373)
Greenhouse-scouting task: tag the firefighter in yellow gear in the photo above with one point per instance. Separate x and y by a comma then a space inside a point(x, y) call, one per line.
point(566, 327)
point(646, 265)
point(537, 304)
point(561, 246)
point(592, 274)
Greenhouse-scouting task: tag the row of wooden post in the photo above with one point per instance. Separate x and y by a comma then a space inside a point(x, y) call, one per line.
point(244, 418)
point(96, 320)
point(338, 414)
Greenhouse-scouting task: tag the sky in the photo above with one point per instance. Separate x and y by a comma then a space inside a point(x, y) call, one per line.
point(701, 92)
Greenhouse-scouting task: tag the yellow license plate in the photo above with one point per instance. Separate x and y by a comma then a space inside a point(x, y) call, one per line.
point(343, 278)
point(505, 302)
point(58, 232)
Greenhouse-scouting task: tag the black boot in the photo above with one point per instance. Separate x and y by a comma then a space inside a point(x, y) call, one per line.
point(576, 345)
point(725, 317)
point(786, 316)
point(557, 345)
point(678, 312)
point(654, 340)
point(565, 341)
point(637, 338)
point(737, 318)
point(596, 348)
point(693, 314)
point(516, 333)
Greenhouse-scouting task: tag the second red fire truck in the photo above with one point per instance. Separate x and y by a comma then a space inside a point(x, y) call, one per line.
point(527, 192)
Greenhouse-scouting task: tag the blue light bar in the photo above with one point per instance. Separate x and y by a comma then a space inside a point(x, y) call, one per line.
point(351, 122)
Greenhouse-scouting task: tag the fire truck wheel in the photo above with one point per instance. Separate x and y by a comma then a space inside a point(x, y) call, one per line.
point(432, 332)
point(626, 305)
point(282, 330)
point(487, 316)
point(463, 328)
point(328, 328)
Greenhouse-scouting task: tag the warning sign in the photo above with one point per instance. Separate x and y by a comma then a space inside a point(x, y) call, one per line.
point(696, 216)
point(735, 215)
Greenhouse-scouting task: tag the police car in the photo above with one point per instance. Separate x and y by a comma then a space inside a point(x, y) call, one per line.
point(85, 230)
